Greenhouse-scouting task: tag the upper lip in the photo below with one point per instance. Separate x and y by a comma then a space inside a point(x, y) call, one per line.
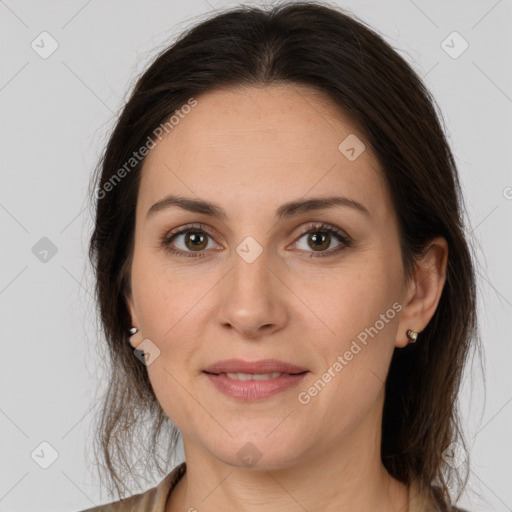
point(262, 366)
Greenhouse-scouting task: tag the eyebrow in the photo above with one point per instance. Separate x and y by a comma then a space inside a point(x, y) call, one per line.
point(286, 210)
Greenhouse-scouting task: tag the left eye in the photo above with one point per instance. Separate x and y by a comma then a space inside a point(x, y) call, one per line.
point(196, 241)
point(320, 238)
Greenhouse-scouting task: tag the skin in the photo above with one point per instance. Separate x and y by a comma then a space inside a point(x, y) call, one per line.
point(250, 150)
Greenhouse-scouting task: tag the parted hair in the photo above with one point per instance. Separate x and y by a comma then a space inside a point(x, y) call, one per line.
point(321, 46)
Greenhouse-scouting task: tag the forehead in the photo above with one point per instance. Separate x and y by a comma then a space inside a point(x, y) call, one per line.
point(263, 145)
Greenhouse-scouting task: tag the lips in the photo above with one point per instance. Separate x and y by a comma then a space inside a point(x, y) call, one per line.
point(264, 366)
point(254, 380)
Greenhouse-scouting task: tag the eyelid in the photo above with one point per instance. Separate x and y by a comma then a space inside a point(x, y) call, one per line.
point(166, 240)
point(188, 227)
point(323, 226)
point(344, 239)
point(312, 227)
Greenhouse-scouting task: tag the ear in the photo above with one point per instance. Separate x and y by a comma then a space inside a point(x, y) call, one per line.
point(423, 290)
point(136, 339)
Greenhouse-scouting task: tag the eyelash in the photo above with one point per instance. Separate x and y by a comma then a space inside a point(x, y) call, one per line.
point(317, 228)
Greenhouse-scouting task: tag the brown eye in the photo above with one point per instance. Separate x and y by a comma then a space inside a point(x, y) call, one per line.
point(319, 241)
point(188, 241)
point(320, 237)
point(196, 240)
point(193, 241)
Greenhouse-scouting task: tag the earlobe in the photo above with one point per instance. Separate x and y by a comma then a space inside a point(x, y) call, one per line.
point(424, 291)
point(134, 331)
point(135, 337)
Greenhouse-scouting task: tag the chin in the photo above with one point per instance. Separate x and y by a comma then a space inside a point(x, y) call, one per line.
point(259, 452)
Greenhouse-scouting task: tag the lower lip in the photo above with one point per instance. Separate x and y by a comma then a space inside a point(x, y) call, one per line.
point(250, 390)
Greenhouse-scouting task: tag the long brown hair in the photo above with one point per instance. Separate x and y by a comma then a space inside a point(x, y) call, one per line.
point(314, 44)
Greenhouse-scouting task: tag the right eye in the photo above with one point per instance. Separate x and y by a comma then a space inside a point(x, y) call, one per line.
point(194, 241)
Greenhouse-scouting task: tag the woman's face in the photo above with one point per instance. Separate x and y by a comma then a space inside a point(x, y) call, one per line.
point(253, 285)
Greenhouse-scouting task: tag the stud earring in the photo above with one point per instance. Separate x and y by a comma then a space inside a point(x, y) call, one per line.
point(412, 335)
point(132, 332)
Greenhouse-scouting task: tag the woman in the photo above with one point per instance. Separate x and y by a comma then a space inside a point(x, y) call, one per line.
point(282, 273)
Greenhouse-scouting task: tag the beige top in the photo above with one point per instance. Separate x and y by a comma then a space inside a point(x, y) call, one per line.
point(155, 499)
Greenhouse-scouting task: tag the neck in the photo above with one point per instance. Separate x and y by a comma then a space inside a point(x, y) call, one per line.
point(349, 477)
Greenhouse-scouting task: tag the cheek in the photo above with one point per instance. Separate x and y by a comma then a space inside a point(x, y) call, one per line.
point(353, 364)
point(170, 304)
point(360, 310)
point(166, 296)
point(356, 298)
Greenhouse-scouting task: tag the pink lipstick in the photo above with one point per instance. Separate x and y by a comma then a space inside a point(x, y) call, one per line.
point(254, 380)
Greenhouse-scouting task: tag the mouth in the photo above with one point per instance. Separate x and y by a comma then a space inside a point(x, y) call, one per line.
point(253, 376)
point(262, 367)
point(258, 380)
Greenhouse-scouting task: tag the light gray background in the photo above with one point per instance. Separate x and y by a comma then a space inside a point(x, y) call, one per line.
point(55, 113)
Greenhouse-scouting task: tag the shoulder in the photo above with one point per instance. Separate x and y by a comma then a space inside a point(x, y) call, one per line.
point(152, 500)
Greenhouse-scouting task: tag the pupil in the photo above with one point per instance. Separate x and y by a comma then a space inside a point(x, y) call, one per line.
point(321, 242)
point(196, 239)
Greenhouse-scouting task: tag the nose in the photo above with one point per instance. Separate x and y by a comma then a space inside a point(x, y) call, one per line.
point(253, 299)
